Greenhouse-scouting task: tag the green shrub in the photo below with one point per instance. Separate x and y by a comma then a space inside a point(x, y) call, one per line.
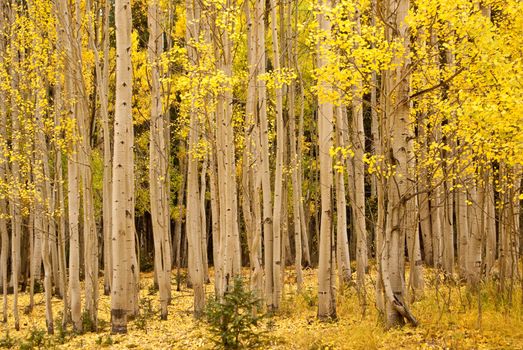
point(147, 312)
point(61, 334)
point(233, 320)
point(36, 340)
point(87, 323)
point(7, 342)
point(104, 341)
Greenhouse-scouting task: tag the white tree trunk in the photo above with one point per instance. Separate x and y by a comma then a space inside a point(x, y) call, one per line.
point(326, 296)
point(125, 268)
point(158, 163)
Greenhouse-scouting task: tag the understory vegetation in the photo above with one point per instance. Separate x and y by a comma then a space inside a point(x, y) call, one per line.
point(449, 318)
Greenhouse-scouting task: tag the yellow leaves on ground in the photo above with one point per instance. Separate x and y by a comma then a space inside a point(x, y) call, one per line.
point(447, 313)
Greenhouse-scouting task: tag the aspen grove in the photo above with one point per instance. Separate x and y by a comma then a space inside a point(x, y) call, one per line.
point(362, 156)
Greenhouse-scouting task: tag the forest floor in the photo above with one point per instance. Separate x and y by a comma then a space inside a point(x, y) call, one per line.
point(447, 313)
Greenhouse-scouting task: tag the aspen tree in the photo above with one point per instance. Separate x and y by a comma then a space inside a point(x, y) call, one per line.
point(278, 173)
point(490, 225)
point(4, 253)
point(101, 65)
point(448, 218)
point(90, 240)
point(358, 195)
point(225, 157)
point(73, 192)
point(436, 214)
point(342, 242)
point(473, 260)
point(125, 268)
point(449, 203)
point(58, 190)
point(299, 148)
point(177, 239)
point(295, 158)
point(462, 223)
point(35, 244)
point(509, 216)
point(251, 179)
point(14, 199)
point(248, 158)
point(158, 163)
point(3, 211)
point(326, 297)
point(79, 171)
point(194, 223)
point(73, 196)
point(203, 219)
point(41, 162)
point(412, 234)
point(424, 214)
point(374, 108)
point(265, 165)
point(215, 210)
point(396, 137)
point(41, 222)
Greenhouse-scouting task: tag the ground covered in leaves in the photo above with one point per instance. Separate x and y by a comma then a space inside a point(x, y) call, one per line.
point(447, 313)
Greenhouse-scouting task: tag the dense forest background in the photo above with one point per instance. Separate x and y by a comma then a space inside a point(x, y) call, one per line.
point(371, 148)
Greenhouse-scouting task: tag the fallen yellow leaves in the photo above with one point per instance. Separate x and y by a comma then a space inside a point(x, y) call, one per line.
point(447, 314)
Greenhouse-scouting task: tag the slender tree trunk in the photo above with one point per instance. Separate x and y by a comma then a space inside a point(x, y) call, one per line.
point(436, 213)
point(462, 222)
point(4, 253)
point(423, 199)
point(296, 184)
point(123, 293)
point(398, 188)
point(475, 236)
point(15, 198)
point(73, 196)
point(326, 297)
point(215, 210)
point(58, 191)
point(158, 163)
point(203, 219)
point(229, 240)
point(102, 86)
point(416, 282)
point(35, 249)
point(374, 111)
point(177, 239)
point(194, 227)
point(252, 157)
point(73, 168)
point(90, 239)
point(448, 224)
point(342, 244)
point(42, 200)
point(278, 176)
point(509, 215)
point(358, 202)
point(265, 165)
point(490, 226)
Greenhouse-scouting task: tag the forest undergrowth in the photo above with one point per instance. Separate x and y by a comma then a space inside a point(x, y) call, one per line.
point(449, 317)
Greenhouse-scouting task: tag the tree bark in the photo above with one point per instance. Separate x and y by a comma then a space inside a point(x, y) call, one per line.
point(399, 190)
point(158, 163)
point(278, 173)
point(326, 297)
point(123, 293)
